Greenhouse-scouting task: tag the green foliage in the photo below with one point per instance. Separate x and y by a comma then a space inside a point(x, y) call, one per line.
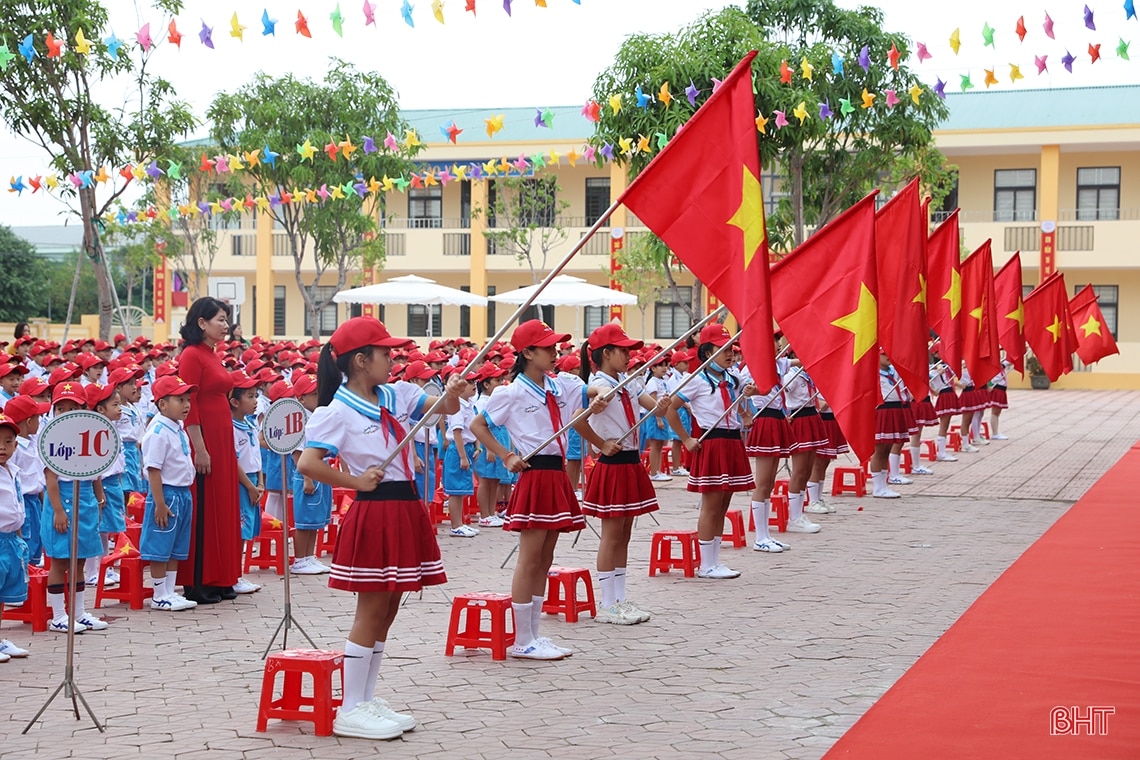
point(640, 271)
point(523, 219)
point(22, 277)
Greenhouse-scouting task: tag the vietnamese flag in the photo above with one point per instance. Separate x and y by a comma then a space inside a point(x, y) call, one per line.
point(900, 263)
point(1048, 326)
point(824, 299)
point(1094, 341)
point(944, 286)
point(980, 348)
point(701, 196)
point(1011, 312)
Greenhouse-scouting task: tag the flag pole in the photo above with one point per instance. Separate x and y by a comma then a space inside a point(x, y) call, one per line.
point(486, 349)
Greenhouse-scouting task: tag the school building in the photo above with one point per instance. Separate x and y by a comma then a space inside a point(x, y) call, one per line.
point(1063, 159)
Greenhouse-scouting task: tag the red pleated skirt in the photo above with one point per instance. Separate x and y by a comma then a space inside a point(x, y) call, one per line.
point(386, 546)
point(720, 465)
point(947, 404)
point(544, 500)
point(891, 425)
point(999, 399)
point(924, 413)
point(769, 437)
point(974, 400)
point(836, 442)
point(912, 425)
point(807, 433)
point(619, 490)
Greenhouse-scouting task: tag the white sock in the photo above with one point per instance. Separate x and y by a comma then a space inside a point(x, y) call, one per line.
point(993, 426)
point(716, 543)
point(524, 630)
point(760, 512)
point(915, 452)
point(609, 593)
point(619, 583)
point(80, 603)
point(795, 506)
point(940, 445)
point(976, 428)
point(893, 461)
point(707, 561)
point(91, 567)
point(813, 490)
point(58, 604)
point(373, 671)
point(879, 481)
point(159, 586)
point(357, 662)
point(536, 614)
point(274, 506)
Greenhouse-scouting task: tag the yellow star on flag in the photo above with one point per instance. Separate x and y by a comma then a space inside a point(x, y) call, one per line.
point(862, 323)
point(921, 297)
point(1055, 328)
point(1090, 327)
point(978, 312)
point(749, 216)
point(954, 294)
point(1018, 315)
point(807, 69)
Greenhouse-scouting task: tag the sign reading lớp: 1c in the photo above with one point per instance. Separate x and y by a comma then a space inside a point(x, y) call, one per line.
point(79, 445)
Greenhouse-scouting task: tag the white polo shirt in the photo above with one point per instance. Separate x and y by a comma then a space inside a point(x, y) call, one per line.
point(703, 396)
point(166, 448)
point(521, 408)
point(612, 421)
point(461, 421)
point(798, 391)
point(890, 387)
point(27, 458)
point(245, 443)
point(11, 499)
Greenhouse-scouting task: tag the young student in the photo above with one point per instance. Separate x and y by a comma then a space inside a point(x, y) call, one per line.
point(680, 370)
point(457, 480)
point(25, 411)
point(165, 539)
point(11, 376)
point(618, 489)
point(312, 501)
point(913, 431)
point(653, 428)
point(946, 405)
point(490, 470)
point(924, 416)
point(131, 426)
point(386, 544)
point(420, 374)
point(890, 427)
point(58, 512)
point(243, 407)
point(836, 444)
point(104, 400)
point(808, 434)
point(533, 407)
point(569, 364)
point(973, 402)
point(13, 550)
point(769, 440)
point(92, 368)
point(719, 466)
point(999, 400)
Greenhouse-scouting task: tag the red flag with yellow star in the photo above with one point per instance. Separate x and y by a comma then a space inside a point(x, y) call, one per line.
point(824, 298)
point(900, 263)
point(1048, 326)
point(944, 286)
point(701, 196)
point(980, 348)
point(1011, 312)
point(1094, 341)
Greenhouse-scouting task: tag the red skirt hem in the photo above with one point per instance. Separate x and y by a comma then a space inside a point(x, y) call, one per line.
point(808, 434)
point(947, 405)
point(619, 490)
point(769, 437)
point(999, 399)
point(924, 413)
point(890, 425)
point(544, 500)
point(720, 465)
point(386, 546)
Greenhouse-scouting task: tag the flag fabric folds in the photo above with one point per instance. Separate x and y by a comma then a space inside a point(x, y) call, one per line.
point(701, 196)
point(944, 288)
point(1011, 312)
point(825, 300)
point(1048, 326)
point(1094, 341)
point(980, 349)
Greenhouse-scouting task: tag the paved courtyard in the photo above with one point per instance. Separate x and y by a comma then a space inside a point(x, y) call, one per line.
point(776, 664)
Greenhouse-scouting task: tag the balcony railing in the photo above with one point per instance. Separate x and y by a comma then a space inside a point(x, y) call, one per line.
point(1064, 215)
point(457, 244)
point(395, 244)
point(429, 223)
point(1069, 238)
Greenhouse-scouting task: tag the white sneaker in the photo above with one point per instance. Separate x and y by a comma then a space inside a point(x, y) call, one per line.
point(111, 577)
point(93, 580)
point(886, 493)
point(494, 521)
point(405, 721)
point(781, 544)
point(817, 508)
point(946, 458)
point(463, 531)
point(91, 622)
point(680, 472)
point(718, 572)
point(970, 448)
point(172, 603)
point(921, 470)
point(767, 545)
point(551, 645)
point(10, 650)
point(660, 478)
point(615, 615)
point(5, 657)
point(302, 566)
point(362, 722)
point(244, 586)
point(317, 565)
point(632, 609)
point(999, 437)
point(982, 441)
point(899, 480)
point(579, 495)
point(60, 624)
point(802, 525)
point(535, 650)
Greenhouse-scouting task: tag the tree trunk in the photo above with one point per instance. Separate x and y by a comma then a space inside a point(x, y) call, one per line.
point(93, 247)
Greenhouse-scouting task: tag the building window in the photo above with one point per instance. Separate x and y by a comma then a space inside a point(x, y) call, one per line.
point(771, 190)
point(279, 310)
point(491, 313)
point(669, 317)
point(949, 204)
point(465, 315)
point(425, 206)
point(465, 205)
point(545, 313)
point(327, 317)
point(595, 318)
point(1108, 299)
point(1098, 193)
point(597, 198)
point(418, 320)
point(1015, 195)
point(537, 201)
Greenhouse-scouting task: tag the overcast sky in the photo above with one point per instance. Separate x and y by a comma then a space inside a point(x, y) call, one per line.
point(547, 56)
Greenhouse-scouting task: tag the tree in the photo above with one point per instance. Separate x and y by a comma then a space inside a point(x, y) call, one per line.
point(640, 273)
point(288, 113)
point(52, 102)
point(23, 275)
point(523, 219)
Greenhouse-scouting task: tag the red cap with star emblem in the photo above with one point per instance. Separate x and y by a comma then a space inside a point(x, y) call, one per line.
point(717, 334)
point(171, 385)
point(536, 333)
point(69, 391)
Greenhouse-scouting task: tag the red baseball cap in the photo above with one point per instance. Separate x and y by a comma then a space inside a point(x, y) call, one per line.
point(419, 370)
point(171, 385)
point(489, 371)
point(87, 361)
point(166, 370)
point(124, 375)
point(536, 333)
point(678, 357)
point(280, 389)
point(242, 380)
point(69, 392)
point(25, 339)
point(359, 332)
point(9, 367)
point(304, 385)
point(611, 334)
point(435, 356)
point(39, 348)
point(119, 338)
point(65, 371)
point(716, 334)
point(9, 423)
point(24, 407)
point(97, 394)
point(568, 363)
point(34, 386)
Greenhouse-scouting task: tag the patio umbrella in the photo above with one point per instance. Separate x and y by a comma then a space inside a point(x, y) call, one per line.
point(410, 289)
point(565, 290)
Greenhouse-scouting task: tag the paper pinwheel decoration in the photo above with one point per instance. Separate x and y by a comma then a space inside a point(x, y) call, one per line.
point(590, 154)
point(451, 132)
point(781, 119)
point(390, 143)
point(966, 83)
point(923, 53)
point(1129, 10)
point(615, 103)
point(1122, 49)
point(332, 150)
point(987, 35)
point(868, 98)
point(113, 44)
point(1089, 24)
point(1048, 26)
point(785, 73)
point(1015, 73)
point(916, 93)
point(845, 106)
point(494, 124)
point(27, 48)
point(1094, 52)
point(664, 95)
point(54, 47)
point(836, 64)
point(268, 25)
point(507, 6)
point(643, 100)
point(800, 112)
point(337, 21)
point(806, 69)
point(1067, 61)
point(1042, 63)
point(174, 35)
point(761, 124)
point(142, 36)
point(301, 25)
point(893, 57)
point(369, 146)
point(82, 47)
point(990, 78)
point(1020, 28)
point(825, 110)
point(205, 35)
point(471, 7)
point(691, 92)
point(437, 10)
point(17, 186)
point(592, 111)
point(955, 40)
point(369, 13)
point(269, 156)
point(892, 98)
point(865, 58)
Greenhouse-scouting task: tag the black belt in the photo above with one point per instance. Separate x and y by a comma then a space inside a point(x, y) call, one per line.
point(775, 414)
point(546, 462)
point(827, 416)
point(967, 388)
point(999, 388)
point(622, 457)
point(946, 390)
point(392, 490)
point(807, 411)
point(723, 433)
point(891, 405)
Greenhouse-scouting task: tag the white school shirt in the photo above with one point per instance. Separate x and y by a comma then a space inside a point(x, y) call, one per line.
point(658, 386)
point(166, 448)
point(521, 408)
point(35, 370)
point(783, 367)
point(965, 377)
point(798, 390)
point(889, 386)
point(131, 425)
point(27, 458)
point(703, 396)
point(1002, 377)
point(4, 399)
point(352, 428)
point(461, 421)
point(245, 443)
point(612, 422)
point(941, 378)
point(11, 499)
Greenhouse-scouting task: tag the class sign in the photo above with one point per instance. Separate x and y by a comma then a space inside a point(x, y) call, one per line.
point(283, 426)
point(79, 445)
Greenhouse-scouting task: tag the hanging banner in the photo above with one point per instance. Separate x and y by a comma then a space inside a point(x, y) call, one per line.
point(1048, 250)
point(161, 306)
point(617, 243)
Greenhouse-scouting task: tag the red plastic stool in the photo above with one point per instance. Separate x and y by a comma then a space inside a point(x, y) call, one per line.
point(35, 610)
point(780, 488)
point(985, 430)
point(294, 663)
point(954, 441)
point(736, 535)
point(931, 454)
point(661, 557)
point(562, 593)
point(271, 546)
point(778, 518)
point(470, 608)
point(906, 464)
point(133, 588)
point(839, 483)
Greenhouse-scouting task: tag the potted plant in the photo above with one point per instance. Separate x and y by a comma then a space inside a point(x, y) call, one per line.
point(1038, 380)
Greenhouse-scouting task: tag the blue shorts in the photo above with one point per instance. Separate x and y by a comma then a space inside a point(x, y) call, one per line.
point(311, 511)
point(574, 449)
point(13, 569)
point(173, 542)
point(58, 545)
point(33, 513)
point(271, 464)
point(495, 470)
point(113, 518)
point(686, 423)
point(134, 479)
point(250, 512)
point(426, 477)
point(456, 480)
point(651, 432)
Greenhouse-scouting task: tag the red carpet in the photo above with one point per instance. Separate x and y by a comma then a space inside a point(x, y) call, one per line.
point(1061, 627)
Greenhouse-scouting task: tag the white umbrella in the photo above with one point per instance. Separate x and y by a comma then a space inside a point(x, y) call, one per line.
point(565, 290)
point(409, 289)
